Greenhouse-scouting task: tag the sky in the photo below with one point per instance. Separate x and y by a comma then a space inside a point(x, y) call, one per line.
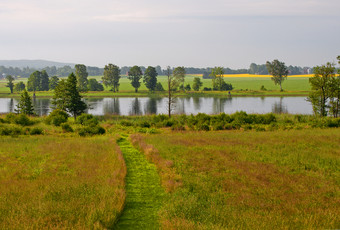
point(196, 33)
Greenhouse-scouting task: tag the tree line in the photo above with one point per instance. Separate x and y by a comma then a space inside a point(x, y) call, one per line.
point(96, 71)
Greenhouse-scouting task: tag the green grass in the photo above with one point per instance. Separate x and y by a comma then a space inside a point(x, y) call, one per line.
point(252, 180)
point(242, 85)
point(51, 182)
point(144, 192)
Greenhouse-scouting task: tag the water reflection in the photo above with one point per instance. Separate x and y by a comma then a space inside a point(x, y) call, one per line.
point(187, 105)
point(279, 107)
point(135, 107)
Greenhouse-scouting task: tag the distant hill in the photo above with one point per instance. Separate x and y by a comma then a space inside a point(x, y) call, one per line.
point(37, 64)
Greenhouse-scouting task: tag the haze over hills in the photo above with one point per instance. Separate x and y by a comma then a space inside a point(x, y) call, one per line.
point(38, 64)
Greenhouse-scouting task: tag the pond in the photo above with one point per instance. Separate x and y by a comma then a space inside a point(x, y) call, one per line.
point(183, 105)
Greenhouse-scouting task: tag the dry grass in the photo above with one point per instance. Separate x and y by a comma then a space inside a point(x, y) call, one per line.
point(261, 180)
point(60, 183)
point(169, 178)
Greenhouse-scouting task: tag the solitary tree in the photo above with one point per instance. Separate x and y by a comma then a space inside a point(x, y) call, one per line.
point(111, 76)
point(67, 97)
point(179, 74)
point(10, 83)
point(217, 77)
point(33, 83)
point(197, 84)
point(150, 78)
point(44, 81)
point(321, 84)
point(134, 75)
point(278, 70)
point(94, 85)
point(53, 82)
point(81, 74)
point(25, 104)
point(20, 86)
point(173, 83)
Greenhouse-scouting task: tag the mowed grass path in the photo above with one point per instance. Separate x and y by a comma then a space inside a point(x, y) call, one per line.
point(252, 180)
point(144, 192)
point(60, 183)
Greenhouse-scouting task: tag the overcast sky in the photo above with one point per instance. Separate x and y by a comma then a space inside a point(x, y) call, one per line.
point(198, 33)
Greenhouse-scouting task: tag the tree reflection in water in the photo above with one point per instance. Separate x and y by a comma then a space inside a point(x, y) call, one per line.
point(279, 107)
point(135, 107)
point(112, 106)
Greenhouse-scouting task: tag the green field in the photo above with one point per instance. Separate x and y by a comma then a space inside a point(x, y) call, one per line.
point(154, 172)
point(242, 86)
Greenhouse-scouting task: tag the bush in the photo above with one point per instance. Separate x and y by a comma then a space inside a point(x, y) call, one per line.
point(20, 119)
point(91, 130)
point(2, 120)
point(126, 123)
point(144, 124)
point(36, 131)
point(206, 89)
point(87, 120)
point(66, 128)
point(56, 117)
point(11, 131)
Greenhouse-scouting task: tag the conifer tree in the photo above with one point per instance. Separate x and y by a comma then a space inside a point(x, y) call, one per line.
point(25, 104)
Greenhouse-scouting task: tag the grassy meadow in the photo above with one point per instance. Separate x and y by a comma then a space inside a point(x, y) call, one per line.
point(238, 171)
point(244, 84)
point(56, 182)
point(249, 180)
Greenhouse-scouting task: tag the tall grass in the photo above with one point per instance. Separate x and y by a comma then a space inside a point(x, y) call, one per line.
point(51, 182)
point(253, 180)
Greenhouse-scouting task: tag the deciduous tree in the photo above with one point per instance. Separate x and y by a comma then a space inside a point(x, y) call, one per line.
point(53, 82)
point(44, 81)
point(10, 83)
point(197, 84)
point(179, 74)
point(81, 74)
point(150, 78)
point(20, 86)
point(111, 76)
point(34, 82)
point(217, 77)
point(134, 75)
point(278, 70)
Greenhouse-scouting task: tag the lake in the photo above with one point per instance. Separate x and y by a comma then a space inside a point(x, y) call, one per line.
point(183, 105)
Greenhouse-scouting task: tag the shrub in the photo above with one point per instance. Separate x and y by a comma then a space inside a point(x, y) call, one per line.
point(56, 117)
point(144, 124)
point(87, 120)
point(36, 131)
point(203, 127)
point(218, 126)
point(10, 118)
point(91, 130)
point(126, 123)
point(11, 131)
point(66, 128)
point(2, 120)
point(178, 127)
point(22, 119)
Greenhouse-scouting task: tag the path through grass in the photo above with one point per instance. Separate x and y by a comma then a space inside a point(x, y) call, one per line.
point(144, 192)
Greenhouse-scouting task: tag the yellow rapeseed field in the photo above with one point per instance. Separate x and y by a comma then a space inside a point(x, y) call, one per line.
point(254, 75)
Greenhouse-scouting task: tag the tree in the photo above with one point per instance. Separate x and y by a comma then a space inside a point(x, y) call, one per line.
point(44, 81)
point(150, 78)
point(10, 83)
point(179, 74)
point(25, 104)
point(197, 84)
point(53, 82)
point(81, 74)
point(278, 70)
point(20, 86)
point(67, 97)
point(33, 83)
point(134, 75)
point(94, 85)
point(111, 76)
point(321, 84)
point(159, 87)
point(173, 83)
point(217, 74)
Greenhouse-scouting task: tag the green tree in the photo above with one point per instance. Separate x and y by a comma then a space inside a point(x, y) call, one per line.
point(150, 78)
point(134, 75)
point(81, 74)
point(10, 83)
point(53, 82)
point(44, 81)
point(94, 85)
point(179, 74)
point(111, 76)
point(321, 85)
point(34, 82)
point(67, 97)
point(197, 84)
point(279, 71)
point(159, 87)
point(20, 86)
point(173, 84)
point(25, 104)
point(217, 77)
